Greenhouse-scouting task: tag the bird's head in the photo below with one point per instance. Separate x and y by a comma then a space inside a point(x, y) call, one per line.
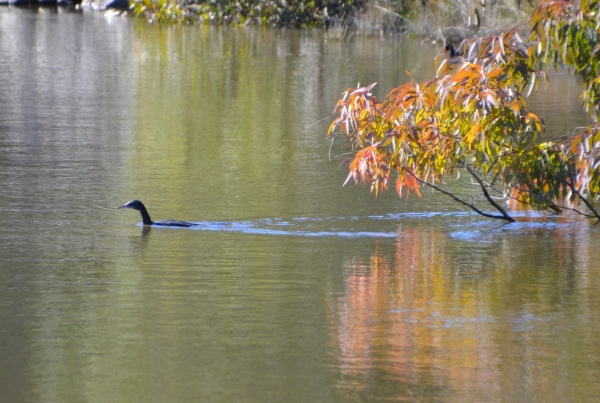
point(134, 205)
point(453, 52)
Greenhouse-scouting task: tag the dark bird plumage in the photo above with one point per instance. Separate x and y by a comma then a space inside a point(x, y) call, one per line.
point(139, 206)
point(452, 50)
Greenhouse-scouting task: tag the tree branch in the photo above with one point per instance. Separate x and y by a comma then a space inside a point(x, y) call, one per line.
point(470, 205)
point(488, 197)
point(555, 208)
point(584, 200)
point(561, 207)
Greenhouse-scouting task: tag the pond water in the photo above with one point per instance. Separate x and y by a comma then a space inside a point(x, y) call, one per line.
point(294, 288)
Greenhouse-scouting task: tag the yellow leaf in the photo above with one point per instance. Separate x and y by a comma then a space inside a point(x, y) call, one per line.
point(331, 127)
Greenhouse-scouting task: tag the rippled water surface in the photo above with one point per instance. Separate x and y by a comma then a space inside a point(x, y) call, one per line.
point(292, 288)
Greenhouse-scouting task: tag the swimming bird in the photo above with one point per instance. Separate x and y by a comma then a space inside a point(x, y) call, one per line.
point(139, 206)
point(453, 52)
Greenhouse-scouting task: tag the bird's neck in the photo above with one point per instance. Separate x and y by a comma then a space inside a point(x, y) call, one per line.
point(146, 217)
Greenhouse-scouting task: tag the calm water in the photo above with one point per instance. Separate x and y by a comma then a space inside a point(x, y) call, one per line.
point(295, 289)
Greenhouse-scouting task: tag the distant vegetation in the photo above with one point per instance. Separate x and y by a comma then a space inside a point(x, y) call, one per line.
point(368, 16)
point(249, 12)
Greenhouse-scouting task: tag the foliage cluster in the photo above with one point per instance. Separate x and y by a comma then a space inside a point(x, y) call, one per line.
point(473, 115)
point(163, 11)
point(309, 13)
point(567, 35)
point(363, 15)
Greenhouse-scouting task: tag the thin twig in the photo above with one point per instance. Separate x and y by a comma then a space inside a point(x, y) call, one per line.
point(318, 121)
point(470, 205)
point(487, 195)
point(584, 200)
point(575, 210)
point(553, 206)
point(342, 155)
point(330, 146)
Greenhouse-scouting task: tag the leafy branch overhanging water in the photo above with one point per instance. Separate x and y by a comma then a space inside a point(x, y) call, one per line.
point(474, 116)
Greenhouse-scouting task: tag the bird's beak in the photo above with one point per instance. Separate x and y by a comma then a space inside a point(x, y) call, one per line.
point(123, 207)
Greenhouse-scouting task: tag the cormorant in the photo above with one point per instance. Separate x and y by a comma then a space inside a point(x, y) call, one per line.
point(139, 206)
point(453, 52)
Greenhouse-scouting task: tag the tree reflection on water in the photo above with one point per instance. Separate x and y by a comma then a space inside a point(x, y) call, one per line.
point(486, 319)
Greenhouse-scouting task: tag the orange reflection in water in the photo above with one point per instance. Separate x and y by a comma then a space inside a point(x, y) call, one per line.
point(428, 320)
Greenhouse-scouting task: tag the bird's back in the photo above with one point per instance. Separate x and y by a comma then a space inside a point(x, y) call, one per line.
point(173, 223)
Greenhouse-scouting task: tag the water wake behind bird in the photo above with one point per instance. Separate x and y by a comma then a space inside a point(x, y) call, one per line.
point(277, 227)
